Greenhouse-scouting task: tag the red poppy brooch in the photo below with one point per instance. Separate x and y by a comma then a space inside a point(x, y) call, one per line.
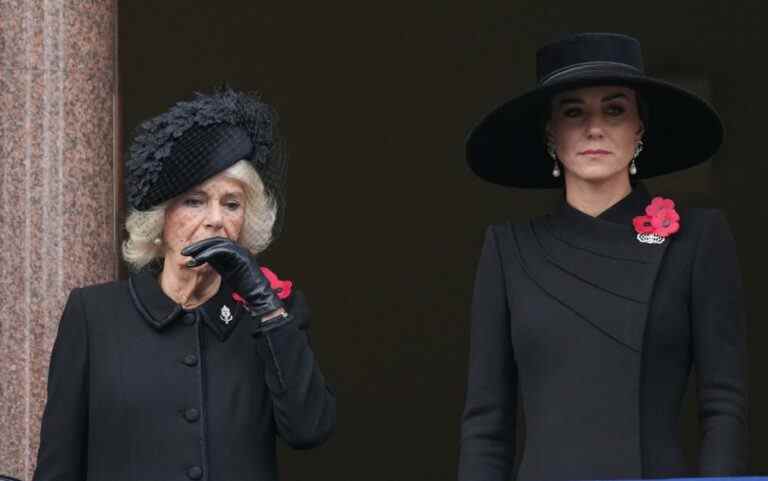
point(660, 221)
point(282, 288)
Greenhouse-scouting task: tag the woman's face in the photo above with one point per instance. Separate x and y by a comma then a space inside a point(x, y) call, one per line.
point(595, 131)
point(215, 208)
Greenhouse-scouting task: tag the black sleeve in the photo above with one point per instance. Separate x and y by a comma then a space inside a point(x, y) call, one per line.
point(304, 404)
point(719, 352)
point(63, 435)
point(488, 424)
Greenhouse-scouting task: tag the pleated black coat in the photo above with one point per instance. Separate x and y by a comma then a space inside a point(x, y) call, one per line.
point(142, 390)
point(594, 334)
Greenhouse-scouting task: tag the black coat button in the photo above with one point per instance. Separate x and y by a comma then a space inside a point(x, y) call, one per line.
point(191, 415)
point(195, 472)
point(190, 360)
point(189, 318)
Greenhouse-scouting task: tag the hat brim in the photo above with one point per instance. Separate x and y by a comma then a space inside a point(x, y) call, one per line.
point(507, 146)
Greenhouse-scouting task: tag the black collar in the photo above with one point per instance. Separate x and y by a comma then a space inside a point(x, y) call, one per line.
point(220, 313)
point(611, 233)
point(622, 212)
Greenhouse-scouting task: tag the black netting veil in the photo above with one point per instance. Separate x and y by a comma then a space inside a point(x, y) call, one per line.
point(275, 178)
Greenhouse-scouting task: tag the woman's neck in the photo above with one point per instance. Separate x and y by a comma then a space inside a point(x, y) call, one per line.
point(187, 287)
point(593, 198)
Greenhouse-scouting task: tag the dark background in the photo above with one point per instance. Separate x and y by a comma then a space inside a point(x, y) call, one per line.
point(385, 221)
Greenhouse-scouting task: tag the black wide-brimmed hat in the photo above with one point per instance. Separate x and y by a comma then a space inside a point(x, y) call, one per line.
point(196, 139)
point(508, 146)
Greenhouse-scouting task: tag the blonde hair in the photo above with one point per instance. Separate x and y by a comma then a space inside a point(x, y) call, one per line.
point(260, 212)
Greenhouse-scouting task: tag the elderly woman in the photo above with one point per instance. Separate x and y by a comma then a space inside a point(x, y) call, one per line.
point(589, 319)
point(193, 366)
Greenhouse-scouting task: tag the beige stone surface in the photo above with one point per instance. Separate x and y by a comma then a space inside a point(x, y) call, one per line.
point(56, 192)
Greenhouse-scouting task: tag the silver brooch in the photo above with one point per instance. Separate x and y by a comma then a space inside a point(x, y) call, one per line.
point(225, 315)
point(651, 238)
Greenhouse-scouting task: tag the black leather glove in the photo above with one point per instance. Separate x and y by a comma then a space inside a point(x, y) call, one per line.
point(238, 269)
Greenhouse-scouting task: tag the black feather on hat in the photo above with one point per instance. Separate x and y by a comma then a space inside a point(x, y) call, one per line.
point(197, 139)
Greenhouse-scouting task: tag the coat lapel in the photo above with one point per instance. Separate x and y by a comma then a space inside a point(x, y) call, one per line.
point(154, 306)
point(220, 313)
point(595, 266)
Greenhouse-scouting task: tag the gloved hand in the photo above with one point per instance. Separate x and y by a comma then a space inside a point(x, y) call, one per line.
point(238, 269)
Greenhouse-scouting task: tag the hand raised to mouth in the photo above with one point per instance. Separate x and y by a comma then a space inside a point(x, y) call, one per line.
point(239, 269)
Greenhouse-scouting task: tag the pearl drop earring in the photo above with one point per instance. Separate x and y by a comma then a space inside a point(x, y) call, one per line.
point(633, 165)
point(553, 153)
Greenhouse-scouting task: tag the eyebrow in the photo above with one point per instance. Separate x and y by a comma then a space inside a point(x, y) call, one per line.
point(576, 100)
point(614, 96)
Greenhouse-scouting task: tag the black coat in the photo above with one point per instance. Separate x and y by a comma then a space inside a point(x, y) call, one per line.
point(142, 390)
point(596, 333)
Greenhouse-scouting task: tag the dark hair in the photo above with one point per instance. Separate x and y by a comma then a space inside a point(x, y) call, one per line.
point(642, 109)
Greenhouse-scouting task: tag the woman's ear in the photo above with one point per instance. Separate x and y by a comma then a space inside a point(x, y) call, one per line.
point(640, 131)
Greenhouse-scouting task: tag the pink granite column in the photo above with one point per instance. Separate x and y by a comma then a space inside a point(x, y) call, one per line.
point(57, 97)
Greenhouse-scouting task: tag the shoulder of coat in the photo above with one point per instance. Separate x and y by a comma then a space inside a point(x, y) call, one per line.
point(700, 218)
point(503, 230)
point(504, 236)
point(108, 290)
point(697, 223)
point(512, 225)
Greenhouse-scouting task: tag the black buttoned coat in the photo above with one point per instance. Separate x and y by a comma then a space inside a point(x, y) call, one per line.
point(593, 334)
point(141, 390)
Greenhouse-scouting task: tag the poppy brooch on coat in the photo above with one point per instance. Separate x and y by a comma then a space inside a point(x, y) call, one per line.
point(660, 221)
point(282, 288)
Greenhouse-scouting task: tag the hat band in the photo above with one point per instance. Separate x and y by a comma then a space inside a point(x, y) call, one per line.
point(599, 66)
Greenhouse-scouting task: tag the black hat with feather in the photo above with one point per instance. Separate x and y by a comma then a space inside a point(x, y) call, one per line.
point(196, 139)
